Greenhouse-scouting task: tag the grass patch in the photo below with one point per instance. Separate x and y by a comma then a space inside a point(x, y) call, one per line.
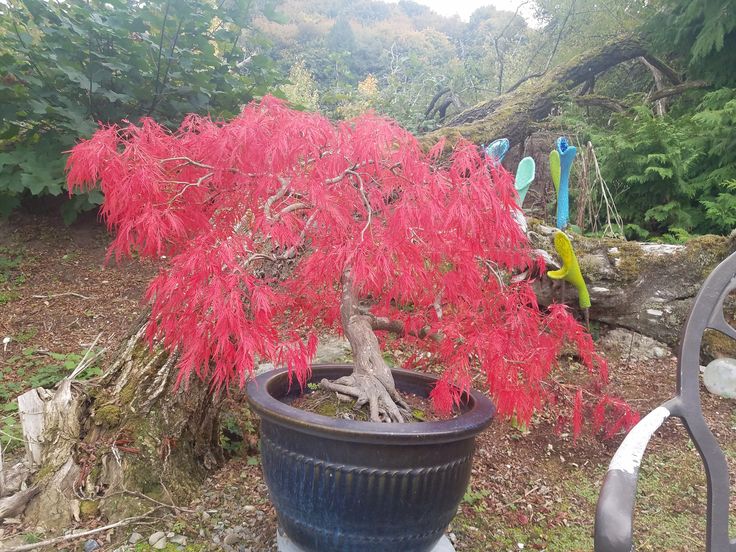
point(10, 274)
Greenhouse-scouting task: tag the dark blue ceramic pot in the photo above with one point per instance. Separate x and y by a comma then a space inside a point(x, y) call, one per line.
point(342, 485)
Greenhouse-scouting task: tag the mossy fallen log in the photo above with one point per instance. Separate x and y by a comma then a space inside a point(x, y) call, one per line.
point(644, 287)
point(517, 113)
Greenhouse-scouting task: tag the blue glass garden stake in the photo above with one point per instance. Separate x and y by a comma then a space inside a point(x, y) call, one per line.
point(567, 155)
point(497, 150)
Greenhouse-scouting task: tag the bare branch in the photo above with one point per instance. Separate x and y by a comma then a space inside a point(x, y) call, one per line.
point(522, 80)
point(275, 197)
point(291, 208)
point(432, 104)
point(672, 75)
point(679, 89)
point(367, 203)
point(660, 106)
point(188, 185)
point(65, 294)
point(74, 536)
point(601, 101)
point(188, 161)
point(559, 36)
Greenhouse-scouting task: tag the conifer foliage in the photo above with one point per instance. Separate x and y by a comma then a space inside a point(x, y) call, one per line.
point(263, 217)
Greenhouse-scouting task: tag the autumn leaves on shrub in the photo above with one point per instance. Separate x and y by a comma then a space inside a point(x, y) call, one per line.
point(264, 218)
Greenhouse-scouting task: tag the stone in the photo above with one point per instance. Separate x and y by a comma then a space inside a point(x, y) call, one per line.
point(232, 538)
point(632, 347)
point(91, 545)
point(181, 540)
point(332, 349)
point(157, 540)
point(719, 377)
point(285, 544)
point(135, 538)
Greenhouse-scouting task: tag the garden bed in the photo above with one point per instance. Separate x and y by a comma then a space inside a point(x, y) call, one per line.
point(532, 490)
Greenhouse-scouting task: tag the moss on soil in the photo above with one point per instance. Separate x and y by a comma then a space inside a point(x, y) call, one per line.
point(327, 404)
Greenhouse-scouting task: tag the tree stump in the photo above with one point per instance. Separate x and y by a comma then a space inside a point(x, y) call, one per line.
point(109, 444)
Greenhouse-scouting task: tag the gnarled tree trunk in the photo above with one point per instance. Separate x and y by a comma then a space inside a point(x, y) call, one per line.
point(107, 443)
point(371, 382)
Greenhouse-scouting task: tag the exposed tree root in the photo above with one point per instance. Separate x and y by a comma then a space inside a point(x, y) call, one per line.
point(384, 402)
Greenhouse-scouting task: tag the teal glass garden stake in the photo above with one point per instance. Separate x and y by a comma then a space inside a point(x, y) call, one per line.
point(567, 155)
point(524, 178)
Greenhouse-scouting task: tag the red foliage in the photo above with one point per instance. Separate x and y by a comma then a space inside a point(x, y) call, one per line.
point(430, 243)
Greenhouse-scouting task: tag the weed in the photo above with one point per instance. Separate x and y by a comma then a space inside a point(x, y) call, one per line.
point(32, 538)
point(472, 498)
point(10, 261)
point(7, 297)
point(231, 434)
point(26, 335)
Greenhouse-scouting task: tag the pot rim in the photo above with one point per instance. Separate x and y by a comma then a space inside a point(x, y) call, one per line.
point(469, 423)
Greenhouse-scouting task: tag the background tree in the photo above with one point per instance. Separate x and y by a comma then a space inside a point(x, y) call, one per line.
point(65, 66)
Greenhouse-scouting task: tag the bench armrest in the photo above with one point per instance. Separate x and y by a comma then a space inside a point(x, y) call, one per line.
point(615, 512)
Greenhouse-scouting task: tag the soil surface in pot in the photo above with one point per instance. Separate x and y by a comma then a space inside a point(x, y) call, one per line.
point(326, 403)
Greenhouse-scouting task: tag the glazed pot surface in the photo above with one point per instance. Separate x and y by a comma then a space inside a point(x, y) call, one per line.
point(341, 485)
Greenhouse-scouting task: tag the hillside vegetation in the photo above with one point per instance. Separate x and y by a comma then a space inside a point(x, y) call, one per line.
point(662, 134)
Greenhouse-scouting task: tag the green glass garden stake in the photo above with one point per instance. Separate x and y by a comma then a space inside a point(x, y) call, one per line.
point(554, 168)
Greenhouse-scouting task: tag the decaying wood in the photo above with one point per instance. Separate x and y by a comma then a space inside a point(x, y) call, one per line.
point(679, 89)
point(518, 112)
point(13, 506)
point(513, 115)
point(601, 101)
point(12, 478)
point(31, 411)
point(660, 105)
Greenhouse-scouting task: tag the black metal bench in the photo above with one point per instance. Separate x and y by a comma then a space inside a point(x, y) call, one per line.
point(614, 515)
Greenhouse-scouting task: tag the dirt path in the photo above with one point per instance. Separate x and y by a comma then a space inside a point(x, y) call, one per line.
point(530, 490)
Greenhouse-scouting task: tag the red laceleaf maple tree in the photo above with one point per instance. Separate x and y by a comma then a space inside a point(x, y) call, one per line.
point(280, 222)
